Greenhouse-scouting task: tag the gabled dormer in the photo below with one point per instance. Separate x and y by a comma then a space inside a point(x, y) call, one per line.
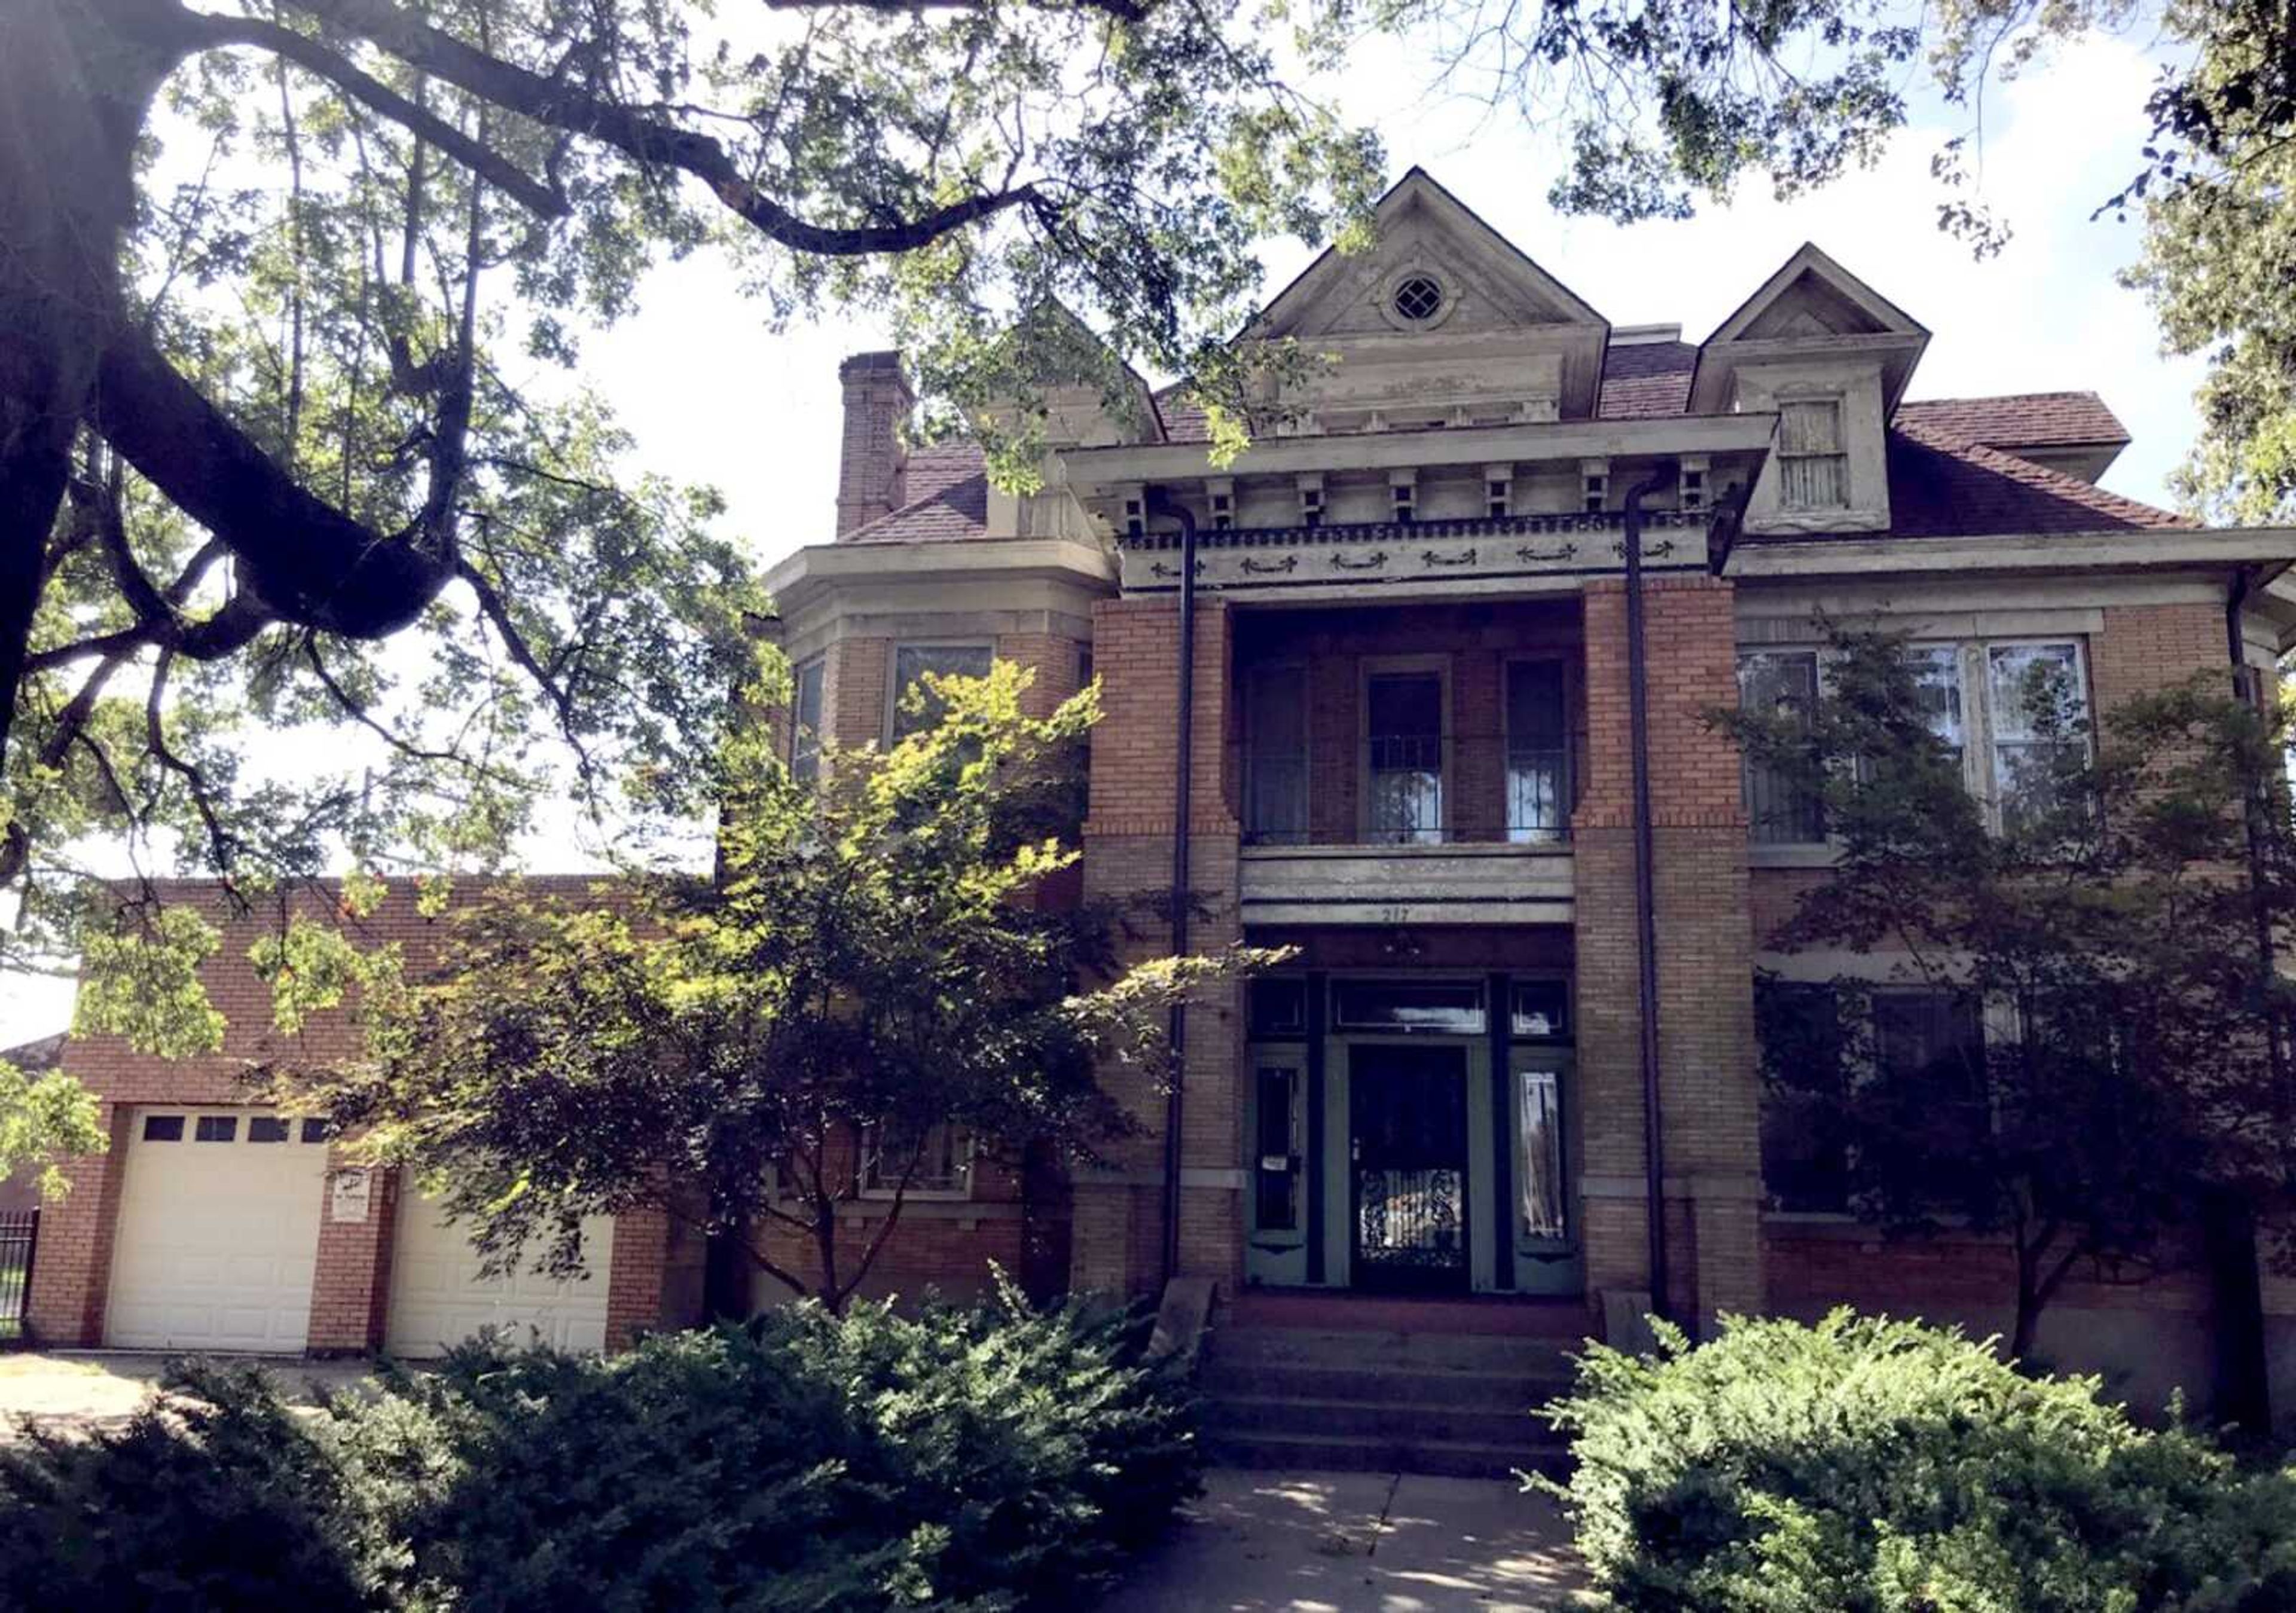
point(1442, 322)
point(1830, 356)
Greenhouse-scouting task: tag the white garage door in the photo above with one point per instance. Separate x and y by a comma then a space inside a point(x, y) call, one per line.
point(438, 1296)
point(218, 1232)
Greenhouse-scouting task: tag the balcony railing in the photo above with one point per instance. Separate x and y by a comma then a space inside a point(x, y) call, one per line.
point(1412, 790)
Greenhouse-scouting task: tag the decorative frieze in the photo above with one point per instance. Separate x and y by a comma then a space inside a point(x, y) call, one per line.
point(1428, 557)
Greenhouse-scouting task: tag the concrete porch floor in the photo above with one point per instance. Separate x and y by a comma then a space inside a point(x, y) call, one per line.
point(1358, 1543)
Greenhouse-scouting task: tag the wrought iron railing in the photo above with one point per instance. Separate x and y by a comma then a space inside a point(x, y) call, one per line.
point(1411, 789)
point(20, 1236)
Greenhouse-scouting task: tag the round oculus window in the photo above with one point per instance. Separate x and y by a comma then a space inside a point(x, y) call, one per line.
point(1418, 299)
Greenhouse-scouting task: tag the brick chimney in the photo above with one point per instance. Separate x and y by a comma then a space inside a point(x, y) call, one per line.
point(869, 463)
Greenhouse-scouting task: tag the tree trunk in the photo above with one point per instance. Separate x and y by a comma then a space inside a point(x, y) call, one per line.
point(76, 78)
point(2028, 1303)
point(2244, 1391)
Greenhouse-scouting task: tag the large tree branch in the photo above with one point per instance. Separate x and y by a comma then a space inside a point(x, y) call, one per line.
point(648, 140)
point(308, 562)
point(310, 54)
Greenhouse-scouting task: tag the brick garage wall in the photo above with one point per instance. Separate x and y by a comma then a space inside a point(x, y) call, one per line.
point(1117, 1234)
point(350, 1291)
point(1708, 1085)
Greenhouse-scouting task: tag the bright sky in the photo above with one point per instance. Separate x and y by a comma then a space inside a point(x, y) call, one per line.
point(713, 396)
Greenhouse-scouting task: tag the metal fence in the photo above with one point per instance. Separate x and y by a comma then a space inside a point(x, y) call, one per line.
point(19, 1239)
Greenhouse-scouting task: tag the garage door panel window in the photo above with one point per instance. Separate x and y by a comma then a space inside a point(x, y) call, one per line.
point(266, 1128)
point(163, 1129)
point(217, 1128)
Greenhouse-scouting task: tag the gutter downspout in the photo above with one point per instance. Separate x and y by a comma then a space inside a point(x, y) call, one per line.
point(1645, 892)
point(1176, 1035)
point(2227, 1224)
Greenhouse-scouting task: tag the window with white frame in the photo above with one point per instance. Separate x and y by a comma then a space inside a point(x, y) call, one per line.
point(2037, 706)
point(1813, 464)
point(2007, 712)
point(911, 663)
point(806, 697)
point(938, 1164)
point(1780, 684)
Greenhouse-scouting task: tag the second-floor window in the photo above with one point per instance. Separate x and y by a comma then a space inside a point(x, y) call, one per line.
point(1275, 754)
point(1781, 684)
point(805, 720)
point(911, 662)
point(1813, 466)
point(1537, 753)
point(1403, 735)
point(2005, 714)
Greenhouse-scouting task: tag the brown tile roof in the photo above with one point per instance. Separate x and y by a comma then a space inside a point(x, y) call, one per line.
point(1942, 486)
point(946, 493)
point(1646, 380)
point(2024, 419)
point(1183, 420)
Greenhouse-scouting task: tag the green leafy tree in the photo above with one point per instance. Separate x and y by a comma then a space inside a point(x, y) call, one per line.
point(45, 1117)
point(2112, 924)
point(313, 551)
point(869, 965)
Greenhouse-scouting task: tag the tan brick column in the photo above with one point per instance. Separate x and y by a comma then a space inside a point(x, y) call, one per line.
point(1707, 1088)
point(351, 1287)
point(1116, 1240)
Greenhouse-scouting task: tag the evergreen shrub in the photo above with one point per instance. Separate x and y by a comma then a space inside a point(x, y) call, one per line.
point(975, 1459)
point(1864, 1465)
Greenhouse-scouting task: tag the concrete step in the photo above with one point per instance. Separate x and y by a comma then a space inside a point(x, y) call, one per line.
point(1378, 1422)
point(1304, 1380)
point(1529, 1357)
point(1340, 1452)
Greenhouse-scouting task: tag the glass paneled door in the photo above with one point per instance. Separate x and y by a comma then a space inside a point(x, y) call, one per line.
point(1407, 1150)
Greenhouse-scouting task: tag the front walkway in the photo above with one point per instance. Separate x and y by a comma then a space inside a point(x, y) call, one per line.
point(1358, 1543)
point(76, 1390)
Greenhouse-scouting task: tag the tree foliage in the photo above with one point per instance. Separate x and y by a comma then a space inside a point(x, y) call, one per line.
point(869, 964)
point(45, 1117)
point(1862, 1465)
point(289, 438)
point(2115, 923)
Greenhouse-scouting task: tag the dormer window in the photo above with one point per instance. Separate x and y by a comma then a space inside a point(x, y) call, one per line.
point(1813, 467)
point(1418, 298)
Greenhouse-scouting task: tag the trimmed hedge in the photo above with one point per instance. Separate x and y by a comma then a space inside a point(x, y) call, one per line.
point(1870, 1466)
point(961, 1459)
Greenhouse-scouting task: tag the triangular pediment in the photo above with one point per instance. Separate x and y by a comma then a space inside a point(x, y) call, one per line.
point(1486, 283)
point(1811, 306)
point(1812, 295)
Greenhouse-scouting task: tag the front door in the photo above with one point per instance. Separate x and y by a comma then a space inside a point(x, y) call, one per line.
point(1407, 1147)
